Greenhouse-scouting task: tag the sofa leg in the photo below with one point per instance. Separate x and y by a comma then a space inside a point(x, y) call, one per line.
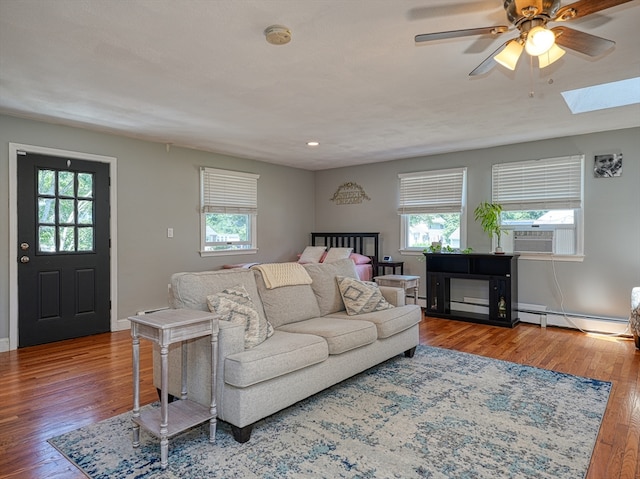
point(409, 353)
point(241, 434)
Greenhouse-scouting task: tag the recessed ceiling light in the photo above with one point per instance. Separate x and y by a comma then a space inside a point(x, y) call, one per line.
point(313, 143)
point(606, 95)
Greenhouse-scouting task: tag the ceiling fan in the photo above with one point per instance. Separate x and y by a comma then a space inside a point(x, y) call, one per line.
point(531, 18)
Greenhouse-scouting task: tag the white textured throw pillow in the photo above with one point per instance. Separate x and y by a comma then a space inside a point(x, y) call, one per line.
point(235, 305)
point(336, 254)
point(361, 297)
point(312, 254)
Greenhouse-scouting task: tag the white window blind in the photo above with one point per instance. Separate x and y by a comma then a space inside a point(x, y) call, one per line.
point(229, 192)
point(431, 191)
point(552, 183)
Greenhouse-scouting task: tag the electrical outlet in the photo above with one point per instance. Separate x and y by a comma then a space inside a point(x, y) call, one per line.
point(169, 232)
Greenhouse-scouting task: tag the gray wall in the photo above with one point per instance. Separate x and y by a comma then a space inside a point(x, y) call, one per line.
point(157, 190)
point(599, 286)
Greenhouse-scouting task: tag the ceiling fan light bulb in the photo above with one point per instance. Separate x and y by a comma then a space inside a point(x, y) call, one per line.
point(509, 55)
point(539, 41)
point(554, 54)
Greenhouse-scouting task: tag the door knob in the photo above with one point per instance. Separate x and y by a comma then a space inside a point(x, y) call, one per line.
point(24, 259)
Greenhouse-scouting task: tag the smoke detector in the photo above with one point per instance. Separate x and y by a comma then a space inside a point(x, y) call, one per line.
point(278, 35)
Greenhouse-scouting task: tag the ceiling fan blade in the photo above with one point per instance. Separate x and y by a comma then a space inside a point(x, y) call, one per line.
point(582, 42)
point(489, 62)
point(427, 37)
point(583, 8)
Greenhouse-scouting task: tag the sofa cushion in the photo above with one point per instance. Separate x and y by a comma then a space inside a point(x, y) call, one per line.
point(287, 304)
point(324, 283)
point(235, 305)
point(190, 290)
point(283, 353)
point(361, 296)
point(341, 335)
point(389, 321)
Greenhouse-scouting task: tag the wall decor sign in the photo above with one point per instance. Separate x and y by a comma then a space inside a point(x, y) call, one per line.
point(607, 166)
point(349, 193)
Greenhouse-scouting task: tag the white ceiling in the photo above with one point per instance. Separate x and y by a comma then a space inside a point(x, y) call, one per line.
point(199, 74)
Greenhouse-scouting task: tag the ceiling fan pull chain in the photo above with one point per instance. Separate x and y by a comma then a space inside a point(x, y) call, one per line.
point(531, 92)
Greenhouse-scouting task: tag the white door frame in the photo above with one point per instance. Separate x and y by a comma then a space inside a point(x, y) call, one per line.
point(13, 228)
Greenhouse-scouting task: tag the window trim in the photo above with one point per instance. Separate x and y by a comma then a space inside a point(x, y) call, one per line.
point(228, 192)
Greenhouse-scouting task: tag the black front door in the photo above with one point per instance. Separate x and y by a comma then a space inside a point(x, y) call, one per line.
point(63, 248)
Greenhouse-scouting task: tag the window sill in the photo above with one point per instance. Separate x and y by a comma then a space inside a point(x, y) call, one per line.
point(233, 252)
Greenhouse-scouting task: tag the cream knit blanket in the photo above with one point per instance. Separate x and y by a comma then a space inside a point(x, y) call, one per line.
point(276, 275)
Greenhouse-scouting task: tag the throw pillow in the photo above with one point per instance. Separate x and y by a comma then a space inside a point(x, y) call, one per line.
point(336, 254)
point(312, 254)
point(235, 305)
point(361, 297)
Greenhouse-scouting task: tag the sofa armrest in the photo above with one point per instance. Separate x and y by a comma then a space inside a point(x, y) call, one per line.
point(393, 295)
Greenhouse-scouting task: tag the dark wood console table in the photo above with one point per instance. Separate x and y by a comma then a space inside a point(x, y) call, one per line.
point(500, 271)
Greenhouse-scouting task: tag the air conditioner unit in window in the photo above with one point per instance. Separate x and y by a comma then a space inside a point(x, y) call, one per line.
point(533, 241)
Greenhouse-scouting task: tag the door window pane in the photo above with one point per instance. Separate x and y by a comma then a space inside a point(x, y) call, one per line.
point(66, 181)
point(47, 239)
point(85, 212)
point(46, 182)
point(67, 238)
point(67, 211)
point(85, 239)
point(46, 210)
point(85, 185)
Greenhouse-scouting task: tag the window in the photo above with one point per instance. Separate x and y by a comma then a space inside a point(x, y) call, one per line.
point(432, 209)
point(229, 205)
point(542, 203)
point(65, 212)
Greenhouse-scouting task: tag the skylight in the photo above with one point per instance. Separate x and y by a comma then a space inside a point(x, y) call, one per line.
point(600, 97)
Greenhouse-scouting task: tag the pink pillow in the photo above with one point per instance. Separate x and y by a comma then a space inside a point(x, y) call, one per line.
point(359, 258)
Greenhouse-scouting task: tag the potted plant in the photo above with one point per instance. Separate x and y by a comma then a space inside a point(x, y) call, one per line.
point(489, 216)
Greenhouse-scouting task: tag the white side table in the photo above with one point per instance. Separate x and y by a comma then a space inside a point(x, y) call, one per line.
point(400, 281)
point(164, 328)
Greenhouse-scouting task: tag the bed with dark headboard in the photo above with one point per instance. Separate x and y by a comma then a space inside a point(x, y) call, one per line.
point(366, 244)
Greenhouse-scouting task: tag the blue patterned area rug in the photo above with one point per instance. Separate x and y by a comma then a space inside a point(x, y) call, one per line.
point(441, 414)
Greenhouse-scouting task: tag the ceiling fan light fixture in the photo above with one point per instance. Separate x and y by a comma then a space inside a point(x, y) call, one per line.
point(510, 55)
point(554, 54)
point(539, 41)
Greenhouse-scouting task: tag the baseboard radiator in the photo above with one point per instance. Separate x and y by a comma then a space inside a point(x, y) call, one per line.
point(540, 314)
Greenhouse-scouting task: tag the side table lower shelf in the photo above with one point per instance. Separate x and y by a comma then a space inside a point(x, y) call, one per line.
point(184, 414)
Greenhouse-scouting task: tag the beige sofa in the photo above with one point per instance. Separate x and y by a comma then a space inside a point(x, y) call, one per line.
point(315, 343)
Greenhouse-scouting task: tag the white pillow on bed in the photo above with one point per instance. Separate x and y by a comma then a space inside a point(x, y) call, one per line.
point(312, 254)
point(336, 254)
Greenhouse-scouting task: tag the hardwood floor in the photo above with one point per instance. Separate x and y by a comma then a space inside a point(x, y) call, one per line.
point(51, 389)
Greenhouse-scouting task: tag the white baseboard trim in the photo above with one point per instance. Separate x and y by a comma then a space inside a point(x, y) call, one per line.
point(122, 324)
point(4, 345)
